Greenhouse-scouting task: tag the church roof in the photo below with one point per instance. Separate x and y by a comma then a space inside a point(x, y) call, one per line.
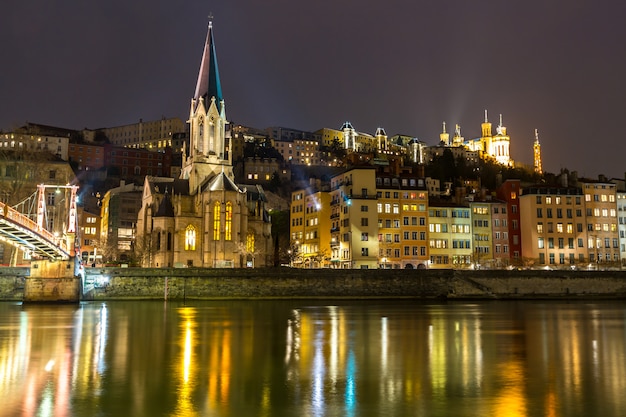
point(255, 192)
point(221, 182)
point(162, 185)
point(166, 209)
point(208, 84)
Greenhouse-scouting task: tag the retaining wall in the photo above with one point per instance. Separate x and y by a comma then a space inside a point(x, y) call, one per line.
point(198, 283)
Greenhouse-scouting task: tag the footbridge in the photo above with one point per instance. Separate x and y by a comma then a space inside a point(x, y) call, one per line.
point(56, 273)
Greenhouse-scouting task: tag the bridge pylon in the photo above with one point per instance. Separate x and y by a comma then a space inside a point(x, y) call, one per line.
point(54, 281)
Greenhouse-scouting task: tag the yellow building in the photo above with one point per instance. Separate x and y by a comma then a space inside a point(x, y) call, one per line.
point(450, 235)
point(329, 136)
point(552, 225)
point(492, 146)
point(482, 234)
point(152, 135)
point(310, 228)
point(354, 220)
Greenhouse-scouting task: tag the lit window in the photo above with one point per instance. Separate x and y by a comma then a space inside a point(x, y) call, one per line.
point(216, 221)
point(190, 238)
point(229, 221)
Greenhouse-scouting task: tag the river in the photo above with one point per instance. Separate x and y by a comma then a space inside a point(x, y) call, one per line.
point(314, 358)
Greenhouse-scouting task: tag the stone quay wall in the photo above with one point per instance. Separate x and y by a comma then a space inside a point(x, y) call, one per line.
point(195, 283)
point(199, 283)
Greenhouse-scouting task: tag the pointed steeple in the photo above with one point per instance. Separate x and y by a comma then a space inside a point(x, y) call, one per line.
point(208, 85)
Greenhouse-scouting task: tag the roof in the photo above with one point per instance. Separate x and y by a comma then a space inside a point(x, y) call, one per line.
point(220, 182)
point(166, 209)
point(208, 84)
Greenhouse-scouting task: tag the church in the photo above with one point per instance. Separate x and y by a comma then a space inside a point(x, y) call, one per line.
point(203, 218)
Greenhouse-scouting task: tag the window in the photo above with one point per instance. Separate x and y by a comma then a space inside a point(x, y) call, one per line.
point(228, 221)
point(190, 238)
point(363, 221)
point(364, 252)
point(364, 236)
point(216, 221)
point(250, 242)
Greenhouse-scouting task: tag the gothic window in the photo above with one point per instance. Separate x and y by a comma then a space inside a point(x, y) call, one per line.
point(190, 238)
point(250, 242)
point(200, 142)
point(216, 221)
point(228, 221)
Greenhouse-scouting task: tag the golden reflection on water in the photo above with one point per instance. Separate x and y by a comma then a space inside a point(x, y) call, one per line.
point(186, 372)
point(354, 360)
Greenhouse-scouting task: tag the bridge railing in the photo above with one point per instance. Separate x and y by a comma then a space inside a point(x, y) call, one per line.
point(17, 217)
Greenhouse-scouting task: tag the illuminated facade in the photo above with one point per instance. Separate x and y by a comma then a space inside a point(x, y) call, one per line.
point(621, 224)
point(601, 216)
point(310, 229)
point(537, 154)
point(402, 207)
point(152, 135)
point(354, 220)
point(203, 218)
point(553, 226)
point(490, 145)
point(450, 236)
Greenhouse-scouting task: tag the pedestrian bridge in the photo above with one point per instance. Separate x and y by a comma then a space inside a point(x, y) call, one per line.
point(20, 231)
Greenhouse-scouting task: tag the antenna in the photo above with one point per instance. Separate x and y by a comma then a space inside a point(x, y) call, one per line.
point(486, 121)
point(444, 127)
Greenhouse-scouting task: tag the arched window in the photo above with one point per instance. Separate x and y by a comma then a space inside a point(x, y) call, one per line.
point(200, 142)
point(190, 238)
point(229, 221)
point(216, 221)
point(250, 243)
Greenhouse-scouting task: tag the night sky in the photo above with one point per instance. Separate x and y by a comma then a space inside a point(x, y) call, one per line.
point(554, 65)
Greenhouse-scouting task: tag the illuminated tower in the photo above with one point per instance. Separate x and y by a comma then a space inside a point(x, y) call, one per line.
point(500, 145)
point(381, 138)
point(485, 138)
point(457, 139)
point(349, 137)
point(208, 152)
point(444, 137)
point(537, 154)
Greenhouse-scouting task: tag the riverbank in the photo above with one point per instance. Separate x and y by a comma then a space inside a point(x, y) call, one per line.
point(199, 283)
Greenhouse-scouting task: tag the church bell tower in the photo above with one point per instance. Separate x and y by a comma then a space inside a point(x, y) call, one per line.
point(209, 139)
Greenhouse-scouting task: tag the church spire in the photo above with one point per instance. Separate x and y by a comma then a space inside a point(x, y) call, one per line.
point(208, 85)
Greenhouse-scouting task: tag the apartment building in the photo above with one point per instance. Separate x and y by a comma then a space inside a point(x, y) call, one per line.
point(402, 208)
point(310, 228)
point(553, 226)
point(152, 135)
point(602, 223)
point(450, 235)
point(509, 192)
point(354, 220)
point(621, 225)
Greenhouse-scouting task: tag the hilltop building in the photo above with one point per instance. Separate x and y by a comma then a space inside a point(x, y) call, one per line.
point(490, 145)
point(203, 218)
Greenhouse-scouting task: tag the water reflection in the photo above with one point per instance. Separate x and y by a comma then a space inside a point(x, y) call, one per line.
point(308, 359)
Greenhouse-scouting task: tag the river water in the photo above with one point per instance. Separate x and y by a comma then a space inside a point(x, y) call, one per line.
point(314, 358)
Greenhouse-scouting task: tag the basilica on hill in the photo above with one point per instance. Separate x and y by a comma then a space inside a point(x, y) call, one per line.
point(203, 218)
